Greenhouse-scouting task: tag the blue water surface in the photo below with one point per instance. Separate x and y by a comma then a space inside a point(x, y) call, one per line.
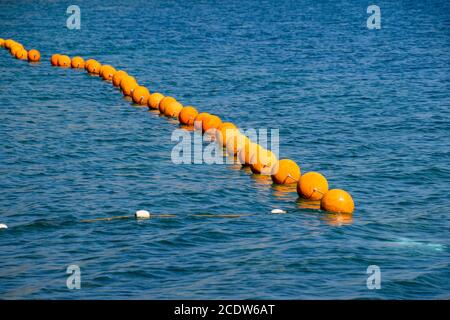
point(367, 108)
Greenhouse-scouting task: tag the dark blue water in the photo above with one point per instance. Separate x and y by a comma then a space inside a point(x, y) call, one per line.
point(367, 108)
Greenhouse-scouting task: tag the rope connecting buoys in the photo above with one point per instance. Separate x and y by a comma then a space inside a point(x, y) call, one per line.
point(310, 186)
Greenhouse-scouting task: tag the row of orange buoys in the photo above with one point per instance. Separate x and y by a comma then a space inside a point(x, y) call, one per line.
point(18, 51)
point(312, 186)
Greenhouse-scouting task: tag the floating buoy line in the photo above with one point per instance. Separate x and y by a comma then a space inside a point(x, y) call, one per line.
point(311, 186)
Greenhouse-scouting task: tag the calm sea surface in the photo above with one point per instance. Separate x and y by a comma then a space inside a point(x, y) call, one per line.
point(370, 109)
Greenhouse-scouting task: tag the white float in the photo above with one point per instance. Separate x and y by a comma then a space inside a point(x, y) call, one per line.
point(278, 211)
point(3, 226)
point(142, 214)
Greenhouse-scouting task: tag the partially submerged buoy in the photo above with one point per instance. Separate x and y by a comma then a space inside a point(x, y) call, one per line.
point(173, 109)
point(64, 61)
point(312, 186)
point(77, 63)
point(140, 95)
point(127, 85)
point(22, 54)
point(285, 171)
point(337, 201)
point(154, 99)
point(165, 102)
point(107, 72)
point(94, 67)
point(199, 119)
point(263, 162)
point(117, 77)
point(210, 124)
point(54, 59)
point(187, 115)
point(222, 132)
point(3, 226)
point(142, 214)
point(34, 55)
point(277, 211)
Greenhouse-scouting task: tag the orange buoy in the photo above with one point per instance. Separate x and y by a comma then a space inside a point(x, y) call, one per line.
point(34, 55)
point(337, 201)
point(64, 61)
point(117, 77)
point(22, 54)
point(127, 85)
point(107, 72)
point(285, 171)
point(2, 42)
point(154, 99)
point(173, 109)
point(8, 43)
point(235, 142)
point(16, 48)
point(263, 162)
point(140, 95)
point(87, 63)
point(77, 63)
point(245, 155)
point(199, 119)
point(54, 59)
point(312, 186)
point(210, 124)
point(187, 115)
point(94, 67)
point(164, 102)
point(222, 132)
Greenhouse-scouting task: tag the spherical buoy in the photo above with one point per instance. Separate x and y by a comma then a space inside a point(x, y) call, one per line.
point(199, 119)
point(142, 214)
point(94, 67)
point(2, 42)
point(222, 132)
point(173, 109)
point(312, 186)
point(140, 95)
point(54, 59)
point(127, 85)
point(3, 226)
point(165, 102)
point(337, 201)
point(64, 61)
point(77, 63)
point(117, 77)
point(187, 115)
point(87, 63)
point(245, 155)
point(154, 99)
point(263, 162)
point(211, 124)
point(8, 43)
point(107, 72)
point(22, 54)
point(236, 141)
point(34, 55)
point(285, 171)
point(16, 48)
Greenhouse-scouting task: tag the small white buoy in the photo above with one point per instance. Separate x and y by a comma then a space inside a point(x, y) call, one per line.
point(142, 214)
point(277, 211)
point(3, 226)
